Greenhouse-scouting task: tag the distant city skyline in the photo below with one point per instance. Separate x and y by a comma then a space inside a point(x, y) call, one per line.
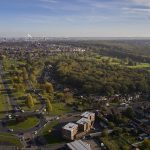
point(75, 18)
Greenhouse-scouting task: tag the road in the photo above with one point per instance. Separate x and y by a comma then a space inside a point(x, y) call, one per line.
point(23, 135)
point(10, 99)
point(12, 102)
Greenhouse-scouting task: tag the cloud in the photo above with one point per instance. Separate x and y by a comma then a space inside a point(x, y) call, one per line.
point(142, 2)
point(134, 10)
point(137, 6)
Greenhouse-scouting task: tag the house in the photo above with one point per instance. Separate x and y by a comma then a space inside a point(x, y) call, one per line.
point(84, 124)
point(69, 131)
point(89, 115)
point(78, 145)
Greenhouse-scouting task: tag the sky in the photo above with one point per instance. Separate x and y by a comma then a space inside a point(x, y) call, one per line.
point(75, 18)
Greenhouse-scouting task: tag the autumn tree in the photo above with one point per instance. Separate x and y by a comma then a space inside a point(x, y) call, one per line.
point(68, 97)
point(49, 87)
point(25, 74)
point(48, 106)
point(30, 101)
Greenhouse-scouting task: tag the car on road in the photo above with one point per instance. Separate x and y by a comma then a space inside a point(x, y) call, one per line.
point(10, 130)
point(9, 116)
point(22, 110)
point(57, 118)
point(35, 132)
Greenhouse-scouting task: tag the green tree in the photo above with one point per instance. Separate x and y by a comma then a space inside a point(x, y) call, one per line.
point(49, 87)
point(129, 112)
point(48, 106)
point(68, 96)
point(25, 74)
point(145, 145)
point(104, 133)
point(30, 101)
point(117, 131)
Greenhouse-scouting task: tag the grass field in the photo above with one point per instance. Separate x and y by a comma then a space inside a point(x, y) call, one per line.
point(4, 106)
point(114, 143)
point(140, 66)
point(27, 124)
point(10, 140)
point(49, 134)
point(60, 108)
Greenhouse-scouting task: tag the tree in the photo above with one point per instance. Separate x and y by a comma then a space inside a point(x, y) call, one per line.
point(117, 131)
point(129, 112)
point(33, 78)
point(48, 106)
point(104, 133)
point(25, 74)
point(30, 101)
point(145, 145)
point(111, 125)
point(68, 96)
point(60, 96)
point(126, 147)
point(49, 87)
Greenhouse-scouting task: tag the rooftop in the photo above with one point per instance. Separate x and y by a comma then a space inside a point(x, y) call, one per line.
point(79, 145)
point(83, 121)
point(70, 126)
point(87, 114)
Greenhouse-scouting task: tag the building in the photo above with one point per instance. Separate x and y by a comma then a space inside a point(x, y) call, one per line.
point(69, 131)
point(84, 124)
point(89, 115)
point(78, 145)
point(77, 130)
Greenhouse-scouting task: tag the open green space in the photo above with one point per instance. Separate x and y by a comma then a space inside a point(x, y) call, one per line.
point(27, 124)
point(9, 139)
point(114, 143)
point(48, 132)
point(140, 66)
point(60, 108)
point(4, 106)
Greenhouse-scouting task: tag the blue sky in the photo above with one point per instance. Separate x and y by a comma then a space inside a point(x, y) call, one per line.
point(81, 18)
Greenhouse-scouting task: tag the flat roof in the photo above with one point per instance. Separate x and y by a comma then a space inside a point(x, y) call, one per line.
point(87, 114)
point(83, 121)
point(79, 145)
point(70, 126)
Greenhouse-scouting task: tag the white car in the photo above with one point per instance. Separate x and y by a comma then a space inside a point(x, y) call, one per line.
point(9, 116)
point(35, 132)
point(11, 130)
point(57, 118)
point(22, 110)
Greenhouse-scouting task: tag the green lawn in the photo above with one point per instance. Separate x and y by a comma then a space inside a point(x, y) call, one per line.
point(48, 132)
point(10, 139)
point(4, 106)
point(60, 108)
point(22, 102)
point(27, 124)
point(140, 66)
point(114, 143)
point(111, 144)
